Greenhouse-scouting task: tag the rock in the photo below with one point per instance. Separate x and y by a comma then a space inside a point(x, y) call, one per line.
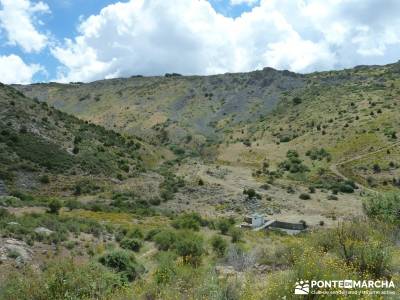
point(225, 271)
point(43, 230)
point(15, 247)
point(115, 181)
point(12, 223)
point(263, 268)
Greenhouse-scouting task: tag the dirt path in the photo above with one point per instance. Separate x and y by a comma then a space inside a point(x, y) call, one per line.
point(335, 170)
point(235, 180)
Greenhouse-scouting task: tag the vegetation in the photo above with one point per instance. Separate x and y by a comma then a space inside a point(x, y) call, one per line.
point(145, 207)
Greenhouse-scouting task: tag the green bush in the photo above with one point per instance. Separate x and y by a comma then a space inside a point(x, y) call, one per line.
point(38, 150)
point(224, 225)
point(165, 239)
point(219, 245)
point(122, 262)
point(151, 233)
point(236, 234)
point(318, 154)
point(54, 206)
point(44, 179)
point(135, 233)
point(304, 196)
point(251, 193)
point(72, 204)
point(293, 163)
point(190, 247)
point(359, 244)
point(131, 244)
point(188, 221)
point(383, 206)
point(166, 269)
point(62, 280)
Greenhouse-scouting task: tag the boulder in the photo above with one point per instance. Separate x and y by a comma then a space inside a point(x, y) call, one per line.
point(10, 247)
point(43, 230)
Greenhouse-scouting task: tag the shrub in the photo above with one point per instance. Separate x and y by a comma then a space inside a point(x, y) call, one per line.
point(72, 204)
point(304, 196)
point(346, 188)
point(155, 201)
point(131, 244)
point(293, 163)
point(151, 233)
point(62, 279)
point(219, 245)
point(135, 233)
point(190, 248)
point(236, 234)
point(123, 263)
point(376, 168)
point(296, 100)
point(54, 206)
point(166, 269)
point(165, 239)
point(44, 179)
point(318, 154)
point(188, 221)
point(224, 225)
point(251, 193)
point(383, 206)
point(361, 246)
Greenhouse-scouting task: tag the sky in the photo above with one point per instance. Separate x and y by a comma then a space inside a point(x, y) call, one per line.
point(88, 40)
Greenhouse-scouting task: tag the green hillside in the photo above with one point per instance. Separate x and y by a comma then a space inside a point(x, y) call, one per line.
point(348, 113)
point(138, 188)
point(39, 143)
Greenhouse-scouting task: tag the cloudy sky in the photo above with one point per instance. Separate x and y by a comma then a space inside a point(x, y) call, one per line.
point(86, 40)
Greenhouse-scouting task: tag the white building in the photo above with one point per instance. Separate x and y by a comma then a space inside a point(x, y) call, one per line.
point(257, 220)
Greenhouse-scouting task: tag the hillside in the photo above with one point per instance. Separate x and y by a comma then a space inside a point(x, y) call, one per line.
point(43, 148)
point(138, 188)
point(172, 108)
point(253, 117)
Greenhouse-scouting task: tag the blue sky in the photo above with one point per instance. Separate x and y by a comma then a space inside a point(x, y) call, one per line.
point(85, 40)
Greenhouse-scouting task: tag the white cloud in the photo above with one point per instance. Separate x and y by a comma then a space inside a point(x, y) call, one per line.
point(17, 19)
point(154, 37)
point(247, 2)
point(14, 70)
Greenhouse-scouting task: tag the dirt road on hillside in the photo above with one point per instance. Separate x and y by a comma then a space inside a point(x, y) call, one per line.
point(335, 170)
